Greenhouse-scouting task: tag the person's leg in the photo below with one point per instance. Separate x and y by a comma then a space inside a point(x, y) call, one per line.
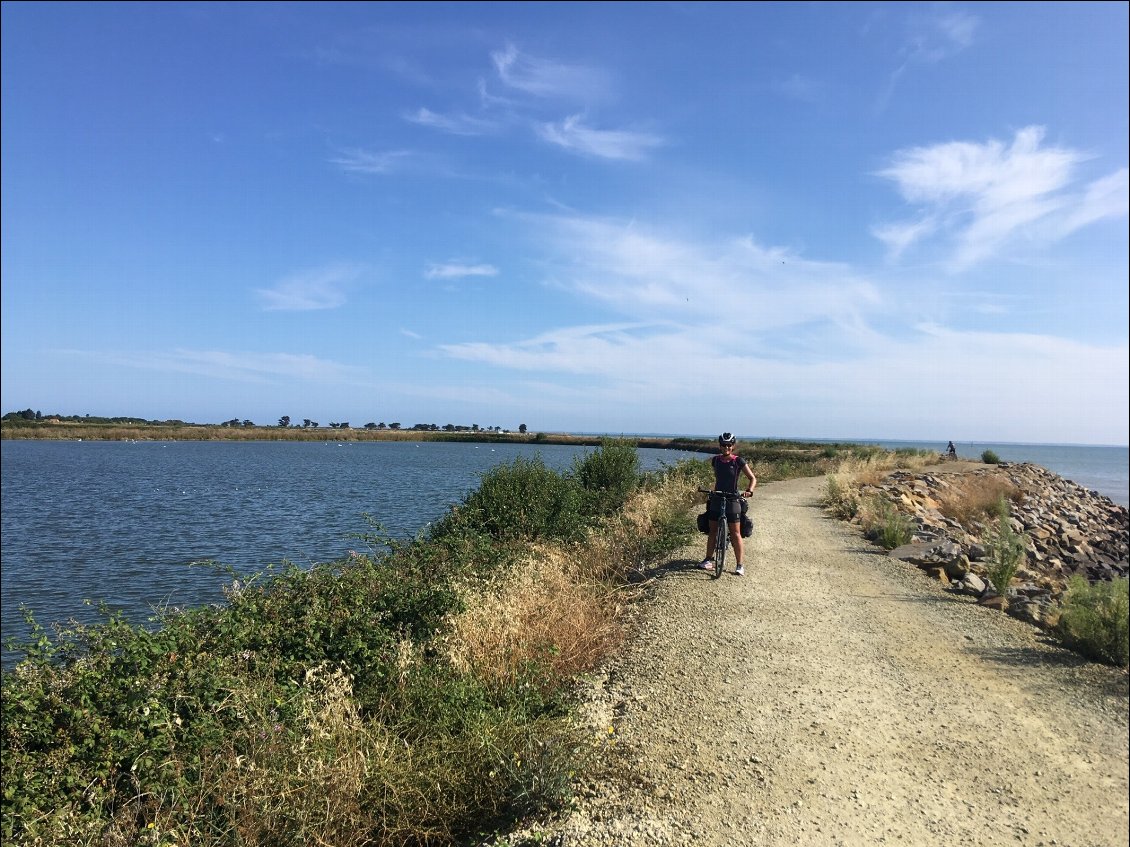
point(736, 542)
point(710, 536)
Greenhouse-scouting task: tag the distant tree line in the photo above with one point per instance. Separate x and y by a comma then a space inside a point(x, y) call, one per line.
point(31, 415)
point(285, 421)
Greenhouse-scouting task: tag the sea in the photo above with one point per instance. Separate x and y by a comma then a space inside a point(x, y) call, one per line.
point(132, 527)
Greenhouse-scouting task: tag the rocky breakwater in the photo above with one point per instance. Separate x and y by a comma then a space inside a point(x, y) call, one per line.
point(1067, 529)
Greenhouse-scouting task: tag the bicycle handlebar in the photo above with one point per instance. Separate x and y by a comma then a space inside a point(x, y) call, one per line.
point(723, 493)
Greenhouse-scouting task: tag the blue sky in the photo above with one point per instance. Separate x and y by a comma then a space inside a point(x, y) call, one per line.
point(841, 220)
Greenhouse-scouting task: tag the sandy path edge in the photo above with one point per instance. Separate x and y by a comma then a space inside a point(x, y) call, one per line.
point(834, 696)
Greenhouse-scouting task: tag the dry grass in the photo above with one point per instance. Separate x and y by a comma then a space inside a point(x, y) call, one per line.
point(562, 605)
point(972, 500)
point(540, 612)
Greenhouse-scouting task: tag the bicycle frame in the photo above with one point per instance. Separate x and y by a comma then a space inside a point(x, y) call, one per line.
point(722, 538)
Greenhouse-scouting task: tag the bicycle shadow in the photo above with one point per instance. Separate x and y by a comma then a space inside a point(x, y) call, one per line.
point(669, 568)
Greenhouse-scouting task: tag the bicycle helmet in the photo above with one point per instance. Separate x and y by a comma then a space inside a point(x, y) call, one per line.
point(726, 439)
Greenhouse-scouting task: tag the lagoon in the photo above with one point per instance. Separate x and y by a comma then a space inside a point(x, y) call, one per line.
point(121, 523)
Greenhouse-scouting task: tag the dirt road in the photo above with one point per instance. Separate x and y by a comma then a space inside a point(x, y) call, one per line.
point(835, 697)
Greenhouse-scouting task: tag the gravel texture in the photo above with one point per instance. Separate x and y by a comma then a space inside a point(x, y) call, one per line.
point(834, 696)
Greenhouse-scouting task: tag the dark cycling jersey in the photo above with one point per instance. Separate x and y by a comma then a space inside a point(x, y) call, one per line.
point(727, 471)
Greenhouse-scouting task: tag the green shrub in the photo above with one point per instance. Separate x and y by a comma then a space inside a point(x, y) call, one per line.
point(607, 476)
point(1094, 620)
point(1006, 551)
point(884, 524)
point(990, 458)
point(523, 500)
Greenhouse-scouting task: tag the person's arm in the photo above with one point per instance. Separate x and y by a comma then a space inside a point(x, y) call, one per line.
point(748, 471)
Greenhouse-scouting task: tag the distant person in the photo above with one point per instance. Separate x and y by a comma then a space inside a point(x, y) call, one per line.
point(728, 469)
point(951, 451)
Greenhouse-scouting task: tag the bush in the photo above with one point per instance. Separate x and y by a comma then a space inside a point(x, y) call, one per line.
point(607, 476)
point(521, 501)
point(1006, 552)
point(990, 458)
point(840, 498)
point(884, 524)
point(1094, 620)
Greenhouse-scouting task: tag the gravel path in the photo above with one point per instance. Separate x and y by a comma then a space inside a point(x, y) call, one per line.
point(836, 697)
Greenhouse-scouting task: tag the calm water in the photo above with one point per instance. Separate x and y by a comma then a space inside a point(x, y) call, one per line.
point(121, 522)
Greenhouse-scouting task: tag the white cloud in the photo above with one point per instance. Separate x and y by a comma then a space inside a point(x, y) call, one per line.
point(655, 275)
point(321, 288)
point(882, 388)
point(457, 270)
point(575, 137)
point(981, 196)
point(366, 162)
point(898, 237)
point(546, 78)
point(804, 348)
point(933, 37)
point(234, 366)
point(1108, 197)
point(457, 124)
point(942, 34)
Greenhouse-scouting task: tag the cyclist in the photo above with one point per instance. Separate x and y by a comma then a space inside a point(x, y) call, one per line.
point(728, 469)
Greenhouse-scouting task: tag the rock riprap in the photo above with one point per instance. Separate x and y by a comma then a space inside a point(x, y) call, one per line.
point(1068, 530)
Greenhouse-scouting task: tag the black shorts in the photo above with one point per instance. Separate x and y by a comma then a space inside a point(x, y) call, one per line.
point(734, 508)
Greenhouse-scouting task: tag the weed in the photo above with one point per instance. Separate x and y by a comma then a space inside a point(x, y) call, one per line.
point(1095, 619)
point(1006, 552)
point(884, 524)
point(840, 497)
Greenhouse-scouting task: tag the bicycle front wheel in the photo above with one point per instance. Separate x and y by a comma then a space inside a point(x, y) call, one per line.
point(720, 544)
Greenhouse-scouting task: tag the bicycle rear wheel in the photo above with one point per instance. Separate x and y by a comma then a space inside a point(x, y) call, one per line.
point(723, 539)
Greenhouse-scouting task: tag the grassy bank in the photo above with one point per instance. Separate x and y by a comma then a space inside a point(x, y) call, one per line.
point(415, 692)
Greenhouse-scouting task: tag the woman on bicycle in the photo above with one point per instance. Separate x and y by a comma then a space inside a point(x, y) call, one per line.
point(728, 469)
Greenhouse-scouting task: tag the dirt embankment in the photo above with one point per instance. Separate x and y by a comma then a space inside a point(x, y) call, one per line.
point(834, 696)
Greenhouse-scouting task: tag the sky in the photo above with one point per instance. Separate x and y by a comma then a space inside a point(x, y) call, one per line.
point(808, 220)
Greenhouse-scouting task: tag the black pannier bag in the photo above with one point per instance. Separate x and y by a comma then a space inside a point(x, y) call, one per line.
point(747, 526)
point(704, 523)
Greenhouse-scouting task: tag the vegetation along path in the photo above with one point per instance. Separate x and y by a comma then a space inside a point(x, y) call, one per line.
point(834, 696)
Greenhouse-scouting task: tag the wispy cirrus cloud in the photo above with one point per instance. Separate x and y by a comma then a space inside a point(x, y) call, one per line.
point(939, 34)
point(932, 36)
point(455, 124)
point(650, 274)
point(982, 195)
point(801, 88)
point(572, 135)
point(232, 366)
point(548, 78)
point(320, 288)
point(370, 162)
point(458, 270)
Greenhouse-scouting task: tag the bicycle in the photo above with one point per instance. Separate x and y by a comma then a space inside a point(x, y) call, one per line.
point(722, 539)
